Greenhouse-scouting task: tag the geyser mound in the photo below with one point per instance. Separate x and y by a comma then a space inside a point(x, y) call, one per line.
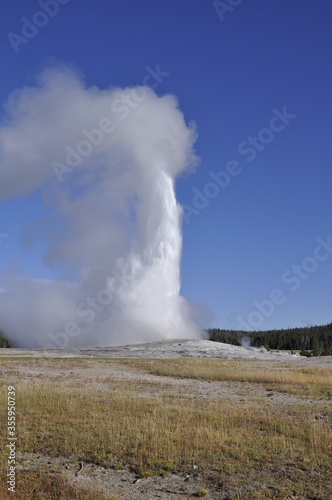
point(105, 163)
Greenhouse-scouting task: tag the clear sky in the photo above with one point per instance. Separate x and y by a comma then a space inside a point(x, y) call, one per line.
point(256, 77)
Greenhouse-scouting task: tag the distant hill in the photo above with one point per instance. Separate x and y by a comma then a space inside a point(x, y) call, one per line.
point(3, 341)
point(310, 341)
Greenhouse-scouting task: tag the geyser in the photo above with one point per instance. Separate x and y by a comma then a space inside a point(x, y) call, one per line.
point(105, 163)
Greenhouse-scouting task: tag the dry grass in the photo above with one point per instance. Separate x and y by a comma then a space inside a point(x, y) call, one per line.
point(31, 485)
point(308, 381)
point(287, 447)
point(114, 428)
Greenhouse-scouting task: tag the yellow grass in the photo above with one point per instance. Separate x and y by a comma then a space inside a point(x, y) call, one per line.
point(40, 485)
point(309, 381)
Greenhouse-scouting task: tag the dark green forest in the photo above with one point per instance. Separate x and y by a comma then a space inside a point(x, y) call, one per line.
point(310, 341)
point(3, 341)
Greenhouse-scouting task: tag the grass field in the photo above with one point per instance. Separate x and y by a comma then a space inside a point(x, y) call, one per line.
point(313, 382)
point(250, 450)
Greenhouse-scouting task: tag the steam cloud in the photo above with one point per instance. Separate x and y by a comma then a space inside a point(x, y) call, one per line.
point(105, 162)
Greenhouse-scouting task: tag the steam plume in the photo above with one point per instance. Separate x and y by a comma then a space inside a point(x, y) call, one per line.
point(105, 163)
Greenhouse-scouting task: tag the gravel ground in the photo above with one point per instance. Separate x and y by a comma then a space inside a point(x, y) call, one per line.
point(124, 483)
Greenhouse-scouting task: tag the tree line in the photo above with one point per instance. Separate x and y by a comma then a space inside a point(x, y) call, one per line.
point(3, 341)
point(310, 341)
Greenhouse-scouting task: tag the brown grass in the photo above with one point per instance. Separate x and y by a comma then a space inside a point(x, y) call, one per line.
point(286, 447)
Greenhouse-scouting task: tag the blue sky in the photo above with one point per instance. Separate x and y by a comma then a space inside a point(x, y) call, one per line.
point(232, 72)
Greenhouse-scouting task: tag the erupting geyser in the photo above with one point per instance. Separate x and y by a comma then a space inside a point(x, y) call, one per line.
point(104, 163)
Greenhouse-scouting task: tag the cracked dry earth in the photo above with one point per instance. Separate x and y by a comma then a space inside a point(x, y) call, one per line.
point(124, 483)
point(98, 375)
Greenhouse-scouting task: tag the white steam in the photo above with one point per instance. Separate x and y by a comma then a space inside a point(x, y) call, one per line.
point(105, 162)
